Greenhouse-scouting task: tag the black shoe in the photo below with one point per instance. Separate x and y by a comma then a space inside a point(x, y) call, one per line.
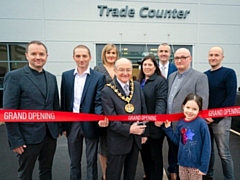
point(207, 178)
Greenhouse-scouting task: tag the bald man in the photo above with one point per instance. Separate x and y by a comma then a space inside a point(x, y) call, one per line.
point(222, 93)
point(123, 96)
point(184, 81)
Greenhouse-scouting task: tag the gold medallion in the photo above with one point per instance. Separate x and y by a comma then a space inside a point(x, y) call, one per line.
point(129, 108)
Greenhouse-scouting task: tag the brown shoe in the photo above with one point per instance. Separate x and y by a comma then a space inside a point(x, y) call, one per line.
point(173, 176)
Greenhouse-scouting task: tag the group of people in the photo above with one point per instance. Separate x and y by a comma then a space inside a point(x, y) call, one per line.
point(162, 87)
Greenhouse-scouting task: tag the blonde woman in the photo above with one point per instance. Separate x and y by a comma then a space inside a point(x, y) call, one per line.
point(109, 56)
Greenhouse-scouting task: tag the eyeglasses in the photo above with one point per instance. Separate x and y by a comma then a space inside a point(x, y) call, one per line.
point(182, 58)
point(124, 70)
point(183, 135)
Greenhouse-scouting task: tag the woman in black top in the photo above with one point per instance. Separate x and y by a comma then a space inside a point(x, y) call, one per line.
point(155, 89)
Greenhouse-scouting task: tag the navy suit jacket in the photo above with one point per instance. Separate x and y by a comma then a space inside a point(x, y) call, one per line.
point(171, 68)
point(21, 91)
point(90, 101)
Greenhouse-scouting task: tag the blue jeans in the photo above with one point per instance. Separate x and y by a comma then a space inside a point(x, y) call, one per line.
point(220, 132)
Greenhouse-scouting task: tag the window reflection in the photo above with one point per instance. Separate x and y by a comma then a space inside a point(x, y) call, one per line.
point(136, 52)
point(17, 52)
point(3, 71)
point(133, 52)
point(17, 65)
point(1, 98)
point(3, 52)
point(12, 56)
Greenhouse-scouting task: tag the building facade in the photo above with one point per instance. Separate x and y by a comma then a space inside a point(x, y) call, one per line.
point(137, 27)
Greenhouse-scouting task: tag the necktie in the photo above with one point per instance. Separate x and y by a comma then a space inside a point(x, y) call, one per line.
point(126, 89)
point(163, 71)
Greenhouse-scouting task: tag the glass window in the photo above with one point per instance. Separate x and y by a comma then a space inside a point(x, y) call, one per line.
point(1, 98)
point(3, 71)
point(17, 65)
point(131, 51)
point(17, 52)
point(3, 53)
point(12, 56)
point(136, 52)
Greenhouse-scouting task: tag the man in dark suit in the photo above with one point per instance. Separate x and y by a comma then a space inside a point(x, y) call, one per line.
point(31, 87)
point(80, 92)
point(167, 68)
point(123, 96)
point(164, 53)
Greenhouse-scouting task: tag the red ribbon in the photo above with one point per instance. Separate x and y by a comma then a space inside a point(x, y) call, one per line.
point(7, 115)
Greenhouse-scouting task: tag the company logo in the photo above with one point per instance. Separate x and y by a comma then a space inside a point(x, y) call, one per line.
point(144, 12)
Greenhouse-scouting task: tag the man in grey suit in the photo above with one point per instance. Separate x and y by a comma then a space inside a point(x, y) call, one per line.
point(182, 82)
point(32, 88)
point(123, 96)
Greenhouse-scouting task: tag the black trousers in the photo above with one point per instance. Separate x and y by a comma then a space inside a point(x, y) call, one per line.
point(172, 157)
point(116, 163)
point(44, 152)
point(152, 158)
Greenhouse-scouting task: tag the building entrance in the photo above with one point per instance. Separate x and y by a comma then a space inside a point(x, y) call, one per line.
point(136, 52)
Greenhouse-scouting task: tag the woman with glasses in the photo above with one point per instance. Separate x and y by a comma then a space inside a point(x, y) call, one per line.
point(109, 56)
point(155, 88)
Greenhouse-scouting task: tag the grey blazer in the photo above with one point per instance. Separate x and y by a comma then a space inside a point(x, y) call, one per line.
point(194, 82)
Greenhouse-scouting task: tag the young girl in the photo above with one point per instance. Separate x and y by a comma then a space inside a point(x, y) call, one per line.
point(192, 136)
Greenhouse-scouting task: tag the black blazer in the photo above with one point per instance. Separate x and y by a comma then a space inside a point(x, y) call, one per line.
point(21, 91)
point(119, 140)
point(155, 93)
point(90, 101)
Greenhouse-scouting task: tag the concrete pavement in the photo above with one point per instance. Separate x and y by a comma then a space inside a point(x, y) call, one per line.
point(8, 161)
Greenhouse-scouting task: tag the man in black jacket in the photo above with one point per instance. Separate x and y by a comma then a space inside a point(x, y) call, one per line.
point(123, 96)
point(31, 87)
